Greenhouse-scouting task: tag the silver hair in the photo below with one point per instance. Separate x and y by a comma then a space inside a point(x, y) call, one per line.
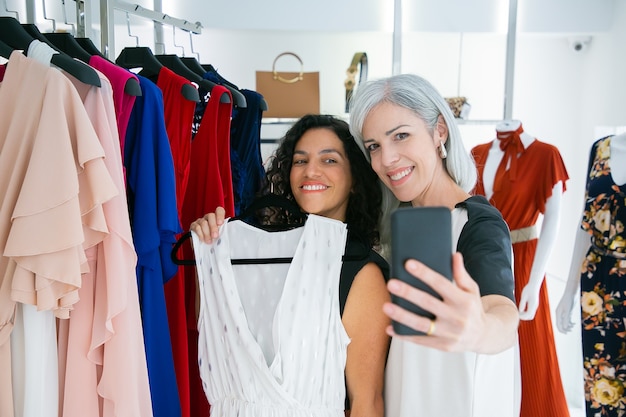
point(418, 95)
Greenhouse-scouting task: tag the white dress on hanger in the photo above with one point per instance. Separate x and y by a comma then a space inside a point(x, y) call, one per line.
point(271, 340)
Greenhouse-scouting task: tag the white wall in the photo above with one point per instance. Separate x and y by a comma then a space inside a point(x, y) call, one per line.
point(561, 96)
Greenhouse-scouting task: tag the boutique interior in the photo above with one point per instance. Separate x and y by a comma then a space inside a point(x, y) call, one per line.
point(553, 65)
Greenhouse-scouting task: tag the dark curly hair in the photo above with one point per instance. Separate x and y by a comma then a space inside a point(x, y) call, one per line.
point(364, 203)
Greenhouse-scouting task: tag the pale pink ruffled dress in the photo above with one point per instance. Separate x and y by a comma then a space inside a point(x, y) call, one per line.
point(52, 172)
point(101, 346)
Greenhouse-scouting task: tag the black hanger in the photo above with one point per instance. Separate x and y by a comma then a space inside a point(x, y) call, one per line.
point(195, 66)
point(187, 71)
point(67, 43)
point(33, 31)
point(174, 63)
point(226, 83)
point(265, 201)
point(16, 36)
point(13, 34)
point(142, 57)
point(81, 71)
point(88, 45)
point(248, 261)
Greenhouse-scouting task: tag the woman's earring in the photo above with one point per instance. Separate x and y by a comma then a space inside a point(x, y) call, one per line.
point(443, 153)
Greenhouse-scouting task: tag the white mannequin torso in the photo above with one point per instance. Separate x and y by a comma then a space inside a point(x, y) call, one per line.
point(529, 299)
point(618, 153)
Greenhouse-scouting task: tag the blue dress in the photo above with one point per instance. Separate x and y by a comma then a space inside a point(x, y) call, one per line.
point(151, 190)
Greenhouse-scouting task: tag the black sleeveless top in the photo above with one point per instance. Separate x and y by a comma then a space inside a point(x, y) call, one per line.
point(356, 256)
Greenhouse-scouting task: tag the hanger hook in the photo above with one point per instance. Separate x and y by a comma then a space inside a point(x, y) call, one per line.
point(6, 8)
point(45, 16)
point(191, 44)
point(65, 19)
point(128, 27)
point(174, 40)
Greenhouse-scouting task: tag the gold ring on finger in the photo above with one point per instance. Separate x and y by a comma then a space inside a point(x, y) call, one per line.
point(431, 328)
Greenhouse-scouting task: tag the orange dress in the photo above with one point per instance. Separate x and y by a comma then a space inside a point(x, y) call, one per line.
point(520, 201)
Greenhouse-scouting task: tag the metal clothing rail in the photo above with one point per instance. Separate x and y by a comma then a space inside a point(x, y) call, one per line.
point(107, 24)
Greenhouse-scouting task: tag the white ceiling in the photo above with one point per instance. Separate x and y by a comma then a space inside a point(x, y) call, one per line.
point(540, 16)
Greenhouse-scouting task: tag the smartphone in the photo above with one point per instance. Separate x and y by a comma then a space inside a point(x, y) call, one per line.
point(425, 234)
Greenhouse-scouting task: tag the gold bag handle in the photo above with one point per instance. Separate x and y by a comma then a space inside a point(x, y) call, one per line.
point(300, 76)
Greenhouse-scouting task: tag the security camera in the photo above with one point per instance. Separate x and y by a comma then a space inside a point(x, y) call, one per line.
point(579, 44)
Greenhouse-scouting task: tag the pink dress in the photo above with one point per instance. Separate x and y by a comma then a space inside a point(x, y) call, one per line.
point(101, 346)
point(44, 194)
point(122, 101)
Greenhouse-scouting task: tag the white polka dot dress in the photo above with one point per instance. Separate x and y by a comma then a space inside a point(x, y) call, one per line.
point(271, 342)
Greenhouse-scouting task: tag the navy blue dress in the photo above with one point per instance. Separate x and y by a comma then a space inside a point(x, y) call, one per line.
point(245, 145)
point(603, 287)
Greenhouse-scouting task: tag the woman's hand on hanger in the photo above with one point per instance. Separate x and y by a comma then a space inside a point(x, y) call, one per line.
point(207, 226)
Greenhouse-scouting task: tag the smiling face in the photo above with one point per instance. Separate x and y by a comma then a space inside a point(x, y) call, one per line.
point(320, 174)
point(404, 153)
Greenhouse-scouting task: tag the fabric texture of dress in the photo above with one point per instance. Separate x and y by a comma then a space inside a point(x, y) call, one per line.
point(123, 102)
point(178, 114)
point(539, 168)
point(421, 381)
point(603, 287)
point(42, 116)
point(210, 186)
point(102, 358)
point(151, 192)
point(245, 143)
point(271, 338)
point(357, 255)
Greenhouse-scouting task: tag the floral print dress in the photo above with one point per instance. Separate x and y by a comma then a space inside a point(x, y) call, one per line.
point(603, 288)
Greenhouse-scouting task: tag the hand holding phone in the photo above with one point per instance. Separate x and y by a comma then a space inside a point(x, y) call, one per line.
point(424, 234)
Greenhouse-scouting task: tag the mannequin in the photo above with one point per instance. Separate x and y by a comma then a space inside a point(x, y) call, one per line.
point(529, 299)
point(581, 242)
point(603, 270)
point(524, 179)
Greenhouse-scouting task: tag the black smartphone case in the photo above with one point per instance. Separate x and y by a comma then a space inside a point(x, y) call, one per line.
point(425, 234)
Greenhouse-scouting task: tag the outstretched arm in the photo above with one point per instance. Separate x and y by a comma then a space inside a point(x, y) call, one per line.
point(465, 320)
point(529, 298)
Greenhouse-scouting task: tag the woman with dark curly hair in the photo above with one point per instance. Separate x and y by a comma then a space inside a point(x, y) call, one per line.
point(363, 202)
point(319, 166)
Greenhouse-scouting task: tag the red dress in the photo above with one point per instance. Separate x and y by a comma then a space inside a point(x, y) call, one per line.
point(178, 112)
point(210, 185)
point(520, 201)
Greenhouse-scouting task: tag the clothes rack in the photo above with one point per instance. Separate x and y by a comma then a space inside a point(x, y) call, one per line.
point(107, 8)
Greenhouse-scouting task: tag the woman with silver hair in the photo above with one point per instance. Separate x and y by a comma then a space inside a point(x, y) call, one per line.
point(465, 363)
